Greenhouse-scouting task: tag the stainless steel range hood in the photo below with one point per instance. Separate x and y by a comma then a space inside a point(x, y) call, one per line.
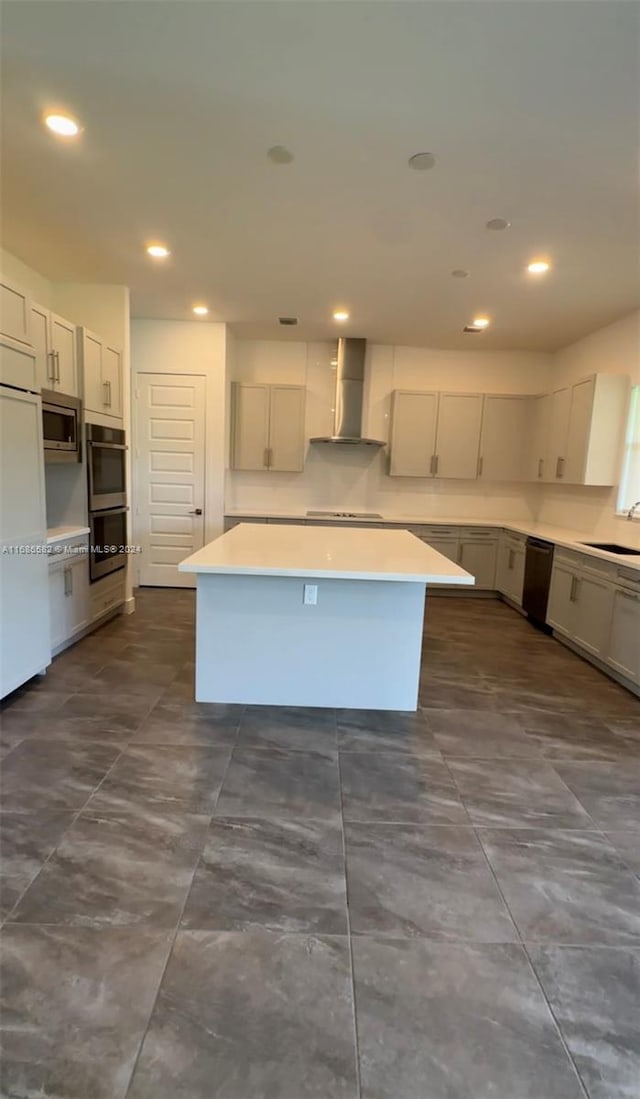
point(347, 423)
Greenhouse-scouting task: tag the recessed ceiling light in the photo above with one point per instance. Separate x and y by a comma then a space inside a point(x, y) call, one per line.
point(538, 267)
point(278, 154)
point(200, 310)
point(460, 273)
point(422, 162)
point(62, 125)
point(498, 224)
point(158, 251)
point(480, 322)
point(340, 315)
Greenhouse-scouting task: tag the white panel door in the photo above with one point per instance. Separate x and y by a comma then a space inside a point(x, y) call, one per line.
point(458, 436)
point(169, 475)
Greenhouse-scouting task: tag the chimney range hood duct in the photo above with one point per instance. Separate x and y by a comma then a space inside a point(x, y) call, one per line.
point(347, 423)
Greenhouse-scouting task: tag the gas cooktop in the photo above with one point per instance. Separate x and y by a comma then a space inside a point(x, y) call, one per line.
point(343, 515)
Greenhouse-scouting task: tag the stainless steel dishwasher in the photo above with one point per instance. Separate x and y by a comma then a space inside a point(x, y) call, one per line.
point(537, 579)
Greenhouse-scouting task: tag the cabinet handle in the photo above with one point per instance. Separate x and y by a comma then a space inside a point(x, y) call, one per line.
point(104, 394)
point(435, 463)
point(265, 458)
point(68, 582)
point(480, 464)
point(629, 595)
point(560, 468)
point(573, 594)
point(540, 466)
point(512, 558)
point(51, 366)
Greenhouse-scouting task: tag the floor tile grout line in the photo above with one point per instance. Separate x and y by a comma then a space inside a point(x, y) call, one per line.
point(356, 1038)
point(552, 1013)
point(76, 814)
point(178, 923)
point(522, 945)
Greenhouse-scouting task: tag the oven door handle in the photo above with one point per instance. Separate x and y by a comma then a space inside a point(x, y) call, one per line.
point(107, 446)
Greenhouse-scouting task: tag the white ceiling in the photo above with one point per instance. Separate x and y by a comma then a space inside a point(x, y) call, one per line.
point(531, 109)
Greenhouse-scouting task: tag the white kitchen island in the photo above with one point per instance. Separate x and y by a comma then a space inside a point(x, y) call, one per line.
point(260, 638)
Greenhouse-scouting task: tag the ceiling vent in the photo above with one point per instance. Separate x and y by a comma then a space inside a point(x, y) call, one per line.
point(291, 321)
point(472, 328)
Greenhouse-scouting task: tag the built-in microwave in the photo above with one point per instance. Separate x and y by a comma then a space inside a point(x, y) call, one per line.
point(61, 419)
point(106, 467)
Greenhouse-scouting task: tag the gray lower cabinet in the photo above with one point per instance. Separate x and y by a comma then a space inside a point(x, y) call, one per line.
point(68, 595)
point(510, 567)
point(478, 554)
point(623, 652)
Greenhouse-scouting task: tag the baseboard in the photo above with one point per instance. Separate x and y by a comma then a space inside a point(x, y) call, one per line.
point(606, 669)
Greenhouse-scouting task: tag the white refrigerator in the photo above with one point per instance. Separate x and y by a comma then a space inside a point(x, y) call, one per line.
point(25, 648)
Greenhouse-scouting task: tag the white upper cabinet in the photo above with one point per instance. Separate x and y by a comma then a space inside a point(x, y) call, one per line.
point(596, 429)
point(503, 444)
point(54, 344)
point(267, 427)
point(458, 435)
point(101, 367)
point(15, 313)
point(539, 412)
point(585, 431)
point(559, 411)
point(413, 434)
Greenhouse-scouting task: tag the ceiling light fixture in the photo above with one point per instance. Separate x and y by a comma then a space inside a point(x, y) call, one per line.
point(538, 267)
point(497, 225)
point(158, 251)
point(421, 162)
point(480, 322)
point(62, 125)
point(340, 315)
point(200, 310)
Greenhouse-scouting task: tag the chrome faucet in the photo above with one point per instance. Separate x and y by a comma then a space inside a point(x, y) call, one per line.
point(632, 510)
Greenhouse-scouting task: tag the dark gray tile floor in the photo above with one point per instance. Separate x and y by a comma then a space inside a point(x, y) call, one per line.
point(220, 902)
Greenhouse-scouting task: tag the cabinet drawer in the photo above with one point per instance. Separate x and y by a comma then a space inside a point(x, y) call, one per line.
point(104, 596)
point(479, 533)
point(62, 552)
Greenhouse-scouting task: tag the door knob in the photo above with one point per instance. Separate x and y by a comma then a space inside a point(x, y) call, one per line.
point(196, 511)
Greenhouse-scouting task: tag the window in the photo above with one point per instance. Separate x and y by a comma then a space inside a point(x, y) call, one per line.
point(630, 480)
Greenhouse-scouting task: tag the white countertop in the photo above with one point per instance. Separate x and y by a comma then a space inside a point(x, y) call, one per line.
point(64, 534)
point(332, 552)
point(561, 536)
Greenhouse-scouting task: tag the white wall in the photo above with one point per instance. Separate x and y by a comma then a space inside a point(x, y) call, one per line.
point(13, 269)
point(354, 478)
point(615, 350)
point(191, 347)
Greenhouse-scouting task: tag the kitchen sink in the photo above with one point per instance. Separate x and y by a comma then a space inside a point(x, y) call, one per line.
point(612, 547)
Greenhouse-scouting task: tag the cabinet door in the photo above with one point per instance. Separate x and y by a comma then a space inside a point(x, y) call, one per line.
point(448, 547)
point(15, 313)
point(250, 426)
point(458, 435)
point(63, 343)
point(413, 434)
point(286, 428)
point(557, 438)
point(579, 431)
point(112, 380)
point(77, 598)
point(593, 608)
point(561, 609)
point(503, 441)
point(45, 370)
point(623, 652)
point(91, 359)
point(58, 605)
point(538, 449)
point(479, 558)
